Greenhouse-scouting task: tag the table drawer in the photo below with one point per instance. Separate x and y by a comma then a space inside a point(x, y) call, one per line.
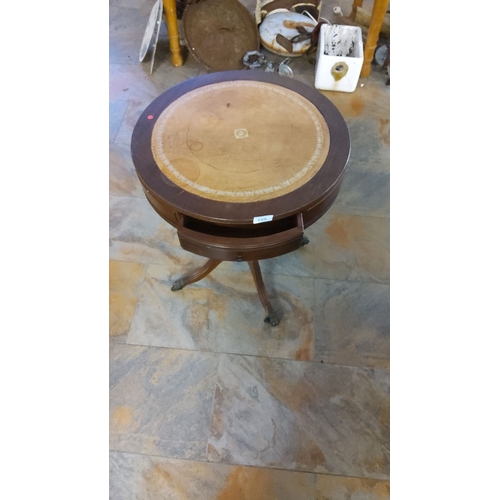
point(256, 242)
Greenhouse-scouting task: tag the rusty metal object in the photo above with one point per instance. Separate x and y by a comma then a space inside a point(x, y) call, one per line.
point(300, 27)
point(219, 33)
point(284, 42)
point(284, 69)
point(255, 59)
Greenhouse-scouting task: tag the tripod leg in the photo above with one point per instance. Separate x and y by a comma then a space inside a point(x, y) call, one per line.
point(271, 317)
point(196, 275)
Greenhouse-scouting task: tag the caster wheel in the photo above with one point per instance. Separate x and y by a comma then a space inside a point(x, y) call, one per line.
point(272, 318)
point(178, 285)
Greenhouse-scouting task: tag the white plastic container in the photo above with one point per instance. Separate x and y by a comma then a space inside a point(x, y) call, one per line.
point(339, 58)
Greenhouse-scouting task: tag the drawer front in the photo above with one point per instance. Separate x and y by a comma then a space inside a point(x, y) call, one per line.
point(238, 244)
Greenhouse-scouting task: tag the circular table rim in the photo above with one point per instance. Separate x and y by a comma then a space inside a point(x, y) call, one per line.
point(164, 190)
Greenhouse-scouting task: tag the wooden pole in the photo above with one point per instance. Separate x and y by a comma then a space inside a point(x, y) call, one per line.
point(173, 32)
point(363, 18)
point(355, 5)
point(378, 15)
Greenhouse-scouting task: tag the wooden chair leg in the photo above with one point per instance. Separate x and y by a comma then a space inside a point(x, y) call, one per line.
point(271, 317)
point(378, 14)
point(173, 32)
point(196, 275)
point(355, 5)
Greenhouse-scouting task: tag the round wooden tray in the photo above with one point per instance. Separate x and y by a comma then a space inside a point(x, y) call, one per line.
point(219, 33)
point(228, 147)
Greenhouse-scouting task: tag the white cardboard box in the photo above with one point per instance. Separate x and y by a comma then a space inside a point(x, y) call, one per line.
point(339, 57)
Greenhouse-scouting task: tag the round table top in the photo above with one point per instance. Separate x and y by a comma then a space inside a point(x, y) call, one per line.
point(240, 141)
point(230, 146)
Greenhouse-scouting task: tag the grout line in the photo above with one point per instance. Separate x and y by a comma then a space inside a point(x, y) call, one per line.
point(237, 464)
point(213, 406)
point(354, 281)
point(325, 363)
point(264, 274)
point(123, 117)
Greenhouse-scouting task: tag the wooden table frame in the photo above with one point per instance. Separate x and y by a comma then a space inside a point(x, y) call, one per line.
point(225, 231)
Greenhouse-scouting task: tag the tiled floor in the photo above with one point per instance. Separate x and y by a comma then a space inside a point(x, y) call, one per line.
point(206, 400)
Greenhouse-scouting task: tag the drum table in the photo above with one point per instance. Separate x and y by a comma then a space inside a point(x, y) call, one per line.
point(240, 162)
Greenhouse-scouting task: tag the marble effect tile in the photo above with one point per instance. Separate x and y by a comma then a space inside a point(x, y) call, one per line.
point(126, 31)
point(364, 193)
point(117, 110)
point(351, 488)
point(138, 477)
point(125, 282)
point(223, 313)
point(172, 319)
point(160, 401)
point(123, 180)
point(133, 82)
point(301, 416)
point(134, 111)
point(370, 101)
point(352, 323)
point(369, 144)
point(137, 233)
point(348, 247)
point(342, 246)
point(240, 327)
